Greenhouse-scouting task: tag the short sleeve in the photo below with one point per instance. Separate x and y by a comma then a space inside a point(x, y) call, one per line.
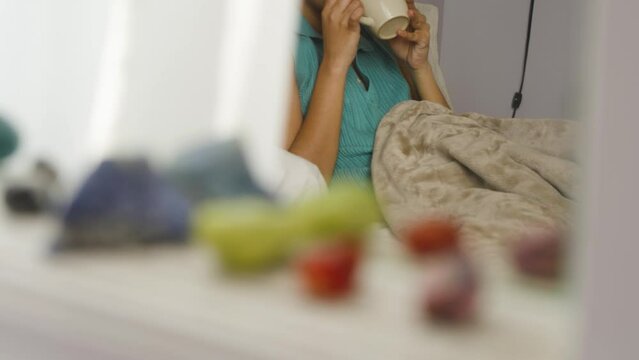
point(306, 67)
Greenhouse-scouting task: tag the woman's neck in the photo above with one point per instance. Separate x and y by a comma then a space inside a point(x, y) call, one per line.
point(313, 16)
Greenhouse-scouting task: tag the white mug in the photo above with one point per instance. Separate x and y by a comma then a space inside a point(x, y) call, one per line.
point(385, 17)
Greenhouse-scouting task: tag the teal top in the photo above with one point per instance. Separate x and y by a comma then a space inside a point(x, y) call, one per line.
point(366, 100)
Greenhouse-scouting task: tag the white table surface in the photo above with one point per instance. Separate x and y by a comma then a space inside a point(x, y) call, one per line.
point(170, 303)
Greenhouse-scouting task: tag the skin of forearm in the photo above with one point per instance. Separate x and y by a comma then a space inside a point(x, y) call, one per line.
point(408, 75)
point(426, 85)
point(318, 138)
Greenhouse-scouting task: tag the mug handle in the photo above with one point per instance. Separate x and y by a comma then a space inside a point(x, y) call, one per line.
point(364, 20)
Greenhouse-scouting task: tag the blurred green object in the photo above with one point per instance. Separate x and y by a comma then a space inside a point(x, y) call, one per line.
point(250, 235)
point(346, 208)
point(8, 139)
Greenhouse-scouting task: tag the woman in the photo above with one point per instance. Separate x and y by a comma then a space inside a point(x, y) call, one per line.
point(346, 80)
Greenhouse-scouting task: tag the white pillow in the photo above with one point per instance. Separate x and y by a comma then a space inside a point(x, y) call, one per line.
point(432, 16)
point(298, 179)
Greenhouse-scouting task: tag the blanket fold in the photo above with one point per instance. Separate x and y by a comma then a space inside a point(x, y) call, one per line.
point(498, 177)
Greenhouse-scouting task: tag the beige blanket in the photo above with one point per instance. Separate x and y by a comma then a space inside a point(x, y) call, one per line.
point(498, 177)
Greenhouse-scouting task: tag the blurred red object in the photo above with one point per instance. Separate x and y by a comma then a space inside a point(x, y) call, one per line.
point(329, 271)
point(540, 254)
point(452, 294)
point(432, 235)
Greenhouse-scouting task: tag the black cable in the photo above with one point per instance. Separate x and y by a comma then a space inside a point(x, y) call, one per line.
point(519, 95)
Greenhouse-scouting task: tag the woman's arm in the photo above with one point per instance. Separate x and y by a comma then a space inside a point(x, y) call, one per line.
point(316, 137)
point(294, 115)
point(425, 85)
point(412, 48)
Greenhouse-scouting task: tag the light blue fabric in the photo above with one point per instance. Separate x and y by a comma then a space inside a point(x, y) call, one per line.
point(363, 109)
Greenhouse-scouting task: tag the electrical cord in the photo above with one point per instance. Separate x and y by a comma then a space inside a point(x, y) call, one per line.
point(519, 95)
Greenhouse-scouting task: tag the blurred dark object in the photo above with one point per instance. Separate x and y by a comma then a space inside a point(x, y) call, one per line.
point(23, 200)
point(215, 171)
point(432, 236)
point(329, 271)
point(540, 254)
point(124, 203)
point(35, 192)
point(8, 139)
point(452, 295)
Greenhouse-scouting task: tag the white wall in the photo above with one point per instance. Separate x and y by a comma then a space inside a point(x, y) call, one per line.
point(52, 64)
point(612, 290)
point(48, 70)
point(196, 70)
point(169, 75)
point(482, 53)
point(189, 68)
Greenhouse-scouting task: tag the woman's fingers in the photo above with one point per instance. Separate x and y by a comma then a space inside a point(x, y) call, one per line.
point(341, 5)
point(356, 16)
point(338, 11)
point(328, 5)
point(350, 13)
point(414, 37)
point(410, 36)
point(411, 4)
point(333, 8)
point(417, 20)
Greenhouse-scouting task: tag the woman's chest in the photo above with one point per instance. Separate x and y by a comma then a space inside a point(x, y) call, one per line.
point(374, 85)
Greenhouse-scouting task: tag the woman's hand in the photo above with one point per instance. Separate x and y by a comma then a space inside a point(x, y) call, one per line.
point(341, 32)
point(413, 45)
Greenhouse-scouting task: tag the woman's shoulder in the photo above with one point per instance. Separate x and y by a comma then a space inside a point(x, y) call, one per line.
point(306, 63)
point(306, 49)
point(308, 44)
point(307, 55)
